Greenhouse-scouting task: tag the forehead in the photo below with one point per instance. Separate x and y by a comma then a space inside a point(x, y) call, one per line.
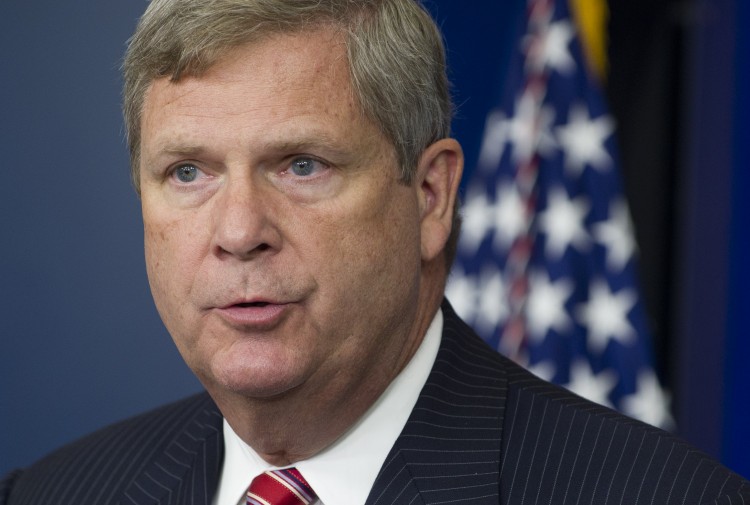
point(288, 80)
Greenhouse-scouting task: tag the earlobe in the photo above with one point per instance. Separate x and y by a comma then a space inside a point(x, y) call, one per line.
point(439, 175)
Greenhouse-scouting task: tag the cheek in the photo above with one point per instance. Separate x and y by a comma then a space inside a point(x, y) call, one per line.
point(171, 261)
point(373, 252)
point(154, 239)
point(157, 245)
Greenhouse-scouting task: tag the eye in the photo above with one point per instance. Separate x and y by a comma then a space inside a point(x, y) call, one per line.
point(186, 173)
point(303, 167)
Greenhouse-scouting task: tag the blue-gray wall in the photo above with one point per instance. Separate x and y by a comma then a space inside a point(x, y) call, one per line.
point(82, 344)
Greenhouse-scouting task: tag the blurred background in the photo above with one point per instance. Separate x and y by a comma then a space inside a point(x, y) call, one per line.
point(83, 346)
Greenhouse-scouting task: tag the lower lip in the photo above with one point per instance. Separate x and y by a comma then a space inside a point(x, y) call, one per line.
point(253, 317)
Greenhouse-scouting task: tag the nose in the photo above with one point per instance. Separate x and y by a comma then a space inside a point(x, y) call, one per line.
point(243, 226)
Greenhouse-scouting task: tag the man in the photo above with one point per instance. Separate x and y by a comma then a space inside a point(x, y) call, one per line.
point(299, 189)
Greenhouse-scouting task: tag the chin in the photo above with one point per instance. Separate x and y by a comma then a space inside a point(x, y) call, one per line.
point(254, 380)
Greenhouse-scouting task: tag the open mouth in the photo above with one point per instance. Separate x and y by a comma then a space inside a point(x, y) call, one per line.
point(252, 304)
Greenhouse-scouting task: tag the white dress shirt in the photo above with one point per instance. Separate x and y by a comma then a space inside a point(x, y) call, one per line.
point(343, 473)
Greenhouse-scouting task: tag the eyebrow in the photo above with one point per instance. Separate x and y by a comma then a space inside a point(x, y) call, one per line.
point(301, 144)
point(180, 149)
point(304, 143)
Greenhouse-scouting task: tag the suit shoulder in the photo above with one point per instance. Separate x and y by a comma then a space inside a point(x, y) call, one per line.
point(110, 457)
point(560, 448)
point(550, 431)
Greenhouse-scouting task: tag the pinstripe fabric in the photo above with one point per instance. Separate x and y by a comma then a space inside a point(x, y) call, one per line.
point(449, 449)
point(483, 431)
point(169, 456)
point(562, 449)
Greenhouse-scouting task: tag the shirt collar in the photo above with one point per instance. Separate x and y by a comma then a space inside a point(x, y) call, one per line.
point(343, 473)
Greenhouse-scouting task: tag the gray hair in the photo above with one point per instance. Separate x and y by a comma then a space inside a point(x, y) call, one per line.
point(395, 55)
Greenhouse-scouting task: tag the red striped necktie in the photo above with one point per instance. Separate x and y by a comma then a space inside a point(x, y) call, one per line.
point(280, 487)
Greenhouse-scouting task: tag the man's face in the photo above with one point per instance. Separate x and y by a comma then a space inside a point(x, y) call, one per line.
point(282, 250)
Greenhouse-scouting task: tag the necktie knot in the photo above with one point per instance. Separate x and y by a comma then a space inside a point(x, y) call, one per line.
point(280, 487)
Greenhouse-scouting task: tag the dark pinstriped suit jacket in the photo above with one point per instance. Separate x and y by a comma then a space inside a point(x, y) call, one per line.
point(484, 431)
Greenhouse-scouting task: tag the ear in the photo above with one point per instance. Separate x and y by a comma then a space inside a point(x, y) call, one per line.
point(438, 177)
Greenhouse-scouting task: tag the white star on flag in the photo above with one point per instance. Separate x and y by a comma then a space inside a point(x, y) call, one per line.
point(545, 306)
point(550, 49)
point(649, 402)
point(479, 300)
point(543, 369)
point(510, 215)
point(492, 311)
point(493, 141)
point(529, 130)
point(605, 315)
point(464, 292)
point(616, 234)
point(478, 220)
point(585, 383)
point(562, 222)
point(582, 139)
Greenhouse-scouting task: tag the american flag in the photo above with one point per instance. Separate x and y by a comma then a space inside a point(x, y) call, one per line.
point(546, 267)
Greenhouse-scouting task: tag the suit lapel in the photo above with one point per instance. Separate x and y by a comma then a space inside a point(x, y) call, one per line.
point(450, 447)
point(187, 471)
